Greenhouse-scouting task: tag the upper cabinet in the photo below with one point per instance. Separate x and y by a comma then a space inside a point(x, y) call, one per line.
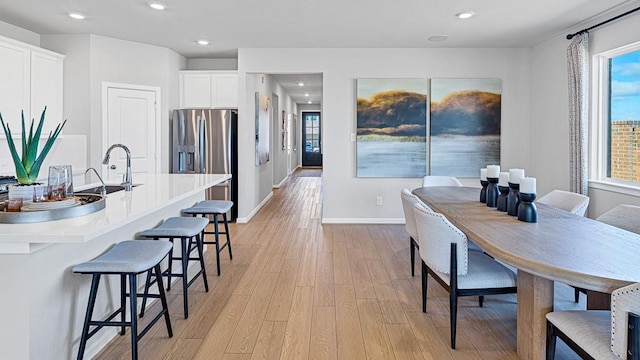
point(31, 79)
point(209, 89)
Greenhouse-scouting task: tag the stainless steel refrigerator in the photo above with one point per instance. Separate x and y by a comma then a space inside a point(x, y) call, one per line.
point(205, 141)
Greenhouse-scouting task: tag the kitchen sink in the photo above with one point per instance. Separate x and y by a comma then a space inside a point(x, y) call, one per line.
point(96, 190)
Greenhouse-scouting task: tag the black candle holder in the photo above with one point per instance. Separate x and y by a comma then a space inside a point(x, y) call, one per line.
point(513, 199)
point(483, 192)
point(527, 210)
point(492, 192)
point(501, 204)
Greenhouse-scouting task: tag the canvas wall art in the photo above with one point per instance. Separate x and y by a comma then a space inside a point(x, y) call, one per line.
point(464, 125)
point(262, 128)
point(391, 128)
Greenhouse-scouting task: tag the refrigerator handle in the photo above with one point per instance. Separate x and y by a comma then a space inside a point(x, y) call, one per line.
point(202, 145)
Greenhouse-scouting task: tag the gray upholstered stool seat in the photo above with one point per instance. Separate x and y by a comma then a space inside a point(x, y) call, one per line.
point(215, 208)
point(126, 259)
point(177, 227)
point(210, 207)
point(189, 230)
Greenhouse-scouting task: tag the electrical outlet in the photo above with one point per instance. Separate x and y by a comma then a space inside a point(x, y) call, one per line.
point(379, 201)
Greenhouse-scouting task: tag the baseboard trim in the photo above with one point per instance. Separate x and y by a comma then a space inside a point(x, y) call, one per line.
point(363, 220)
point(277, 186)
point(244, 220)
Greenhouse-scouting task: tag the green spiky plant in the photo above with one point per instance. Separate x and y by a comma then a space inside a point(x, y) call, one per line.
point(28, 167)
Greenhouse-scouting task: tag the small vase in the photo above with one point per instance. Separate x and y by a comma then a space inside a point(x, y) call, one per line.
point(492, 192)
point(483, 191)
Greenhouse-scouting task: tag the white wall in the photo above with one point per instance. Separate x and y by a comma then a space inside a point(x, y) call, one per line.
point(345, 197)
point(20, 34)
point(550, 109)
point(212, 64)
point(91, 60)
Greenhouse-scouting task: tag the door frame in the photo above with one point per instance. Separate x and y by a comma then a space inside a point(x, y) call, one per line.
point(105, 115)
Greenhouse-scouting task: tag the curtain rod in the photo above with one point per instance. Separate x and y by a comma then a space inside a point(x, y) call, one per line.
point(570, 36)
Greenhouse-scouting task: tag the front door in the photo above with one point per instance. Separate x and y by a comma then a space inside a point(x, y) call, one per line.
point(131, 119)
point(311, 140)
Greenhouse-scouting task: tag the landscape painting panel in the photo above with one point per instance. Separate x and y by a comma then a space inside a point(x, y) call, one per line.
point(391, 128)
point(465, 125)
point(262, 128)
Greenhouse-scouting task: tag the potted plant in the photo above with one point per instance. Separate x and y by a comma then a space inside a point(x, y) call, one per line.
point(28, 166)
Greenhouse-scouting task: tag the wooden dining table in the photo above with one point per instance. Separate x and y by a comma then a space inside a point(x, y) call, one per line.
point(561, 246)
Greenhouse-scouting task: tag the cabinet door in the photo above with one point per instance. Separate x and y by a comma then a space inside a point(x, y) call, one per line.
point(14, 86)
point(195, 91)
point(225, 91)
point(46, 89)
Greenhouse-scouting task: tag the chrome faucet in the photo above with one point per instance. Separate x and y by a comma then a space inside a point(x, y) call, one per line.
point(126, 178)
point(103, 191)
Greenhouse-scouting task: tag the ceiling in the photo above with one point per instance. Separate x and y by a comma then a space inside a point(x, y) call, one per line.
point(233, 24)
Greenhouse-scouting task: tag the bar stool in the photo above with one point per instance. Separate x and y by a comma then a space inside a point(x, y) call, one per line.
point(215, 208)
point(189, 231)
point(127, 259)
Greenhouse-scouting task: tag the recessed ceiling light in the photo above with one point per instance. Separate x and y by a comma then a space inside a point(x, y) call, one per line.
point(203, 42)
point(309, 102)
point(465, 15)
point(157, 5)
point(77, 15)
point(300, 83)
point(438, 38)
point(306, 94)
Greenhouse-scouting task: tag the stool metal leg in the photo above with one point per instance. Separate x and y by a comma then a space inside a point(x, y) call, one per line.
point(147, 284)
point(200, 247)
point(226, 231)
point(87, 318)
point(163, 299)
point(133, 297)
point(215, 223)
point(170, 267)
point(123, 302)
point(185, 263)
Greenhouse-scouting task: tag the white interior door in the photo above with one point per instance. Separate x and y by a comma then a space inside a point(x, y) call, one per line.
point(132, 119)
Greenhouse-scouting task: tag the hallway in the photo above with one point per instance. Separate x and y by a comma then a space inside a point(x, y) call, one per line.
point(297, 289)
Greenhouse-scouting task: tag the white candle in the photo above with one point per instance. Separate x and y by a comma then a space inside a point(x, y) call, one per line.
point(483, 174)
point(493, 171)
point(504, 179)
point(515, 175)
point(528, 185)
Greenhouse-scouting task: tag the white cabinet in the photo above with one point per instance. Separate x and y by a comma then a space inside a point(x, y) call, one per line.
point(209, 89)
point(31, 78)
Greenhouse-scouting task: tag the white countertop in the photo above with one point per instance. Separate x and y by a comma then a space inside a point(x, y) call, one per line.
point(121, 208)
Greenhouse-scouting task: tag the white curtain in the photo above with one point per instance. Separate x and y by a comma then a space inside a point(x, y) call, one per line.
point(578, 72)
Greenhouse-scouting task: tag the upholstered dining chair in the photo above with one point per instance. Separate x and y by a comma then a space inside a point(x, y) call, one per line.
point(600, 334)
point(408, 201)
point(624, 217)
point(445, 256)
point(440, 181)
point(567, 201)
point(570, 202)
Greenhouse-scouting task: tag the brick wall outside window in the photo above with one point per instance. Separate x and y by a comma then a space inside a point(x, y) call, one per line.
point(625, 150)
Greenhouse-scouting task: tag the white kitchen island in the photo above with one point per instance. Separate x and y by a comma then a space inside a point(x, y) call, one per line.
point(42, 302)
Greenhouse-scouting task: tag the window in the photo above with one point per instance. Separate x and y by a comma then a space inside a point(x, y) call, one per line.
point(617, 117)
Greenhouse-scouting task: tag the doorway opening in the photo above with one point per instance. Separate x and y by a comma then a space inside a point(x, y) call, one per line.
point(311, 139)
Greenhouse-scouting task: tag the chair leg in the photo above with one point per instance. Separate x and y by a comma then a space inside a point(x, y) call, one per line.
point(133, 298)
point(424, 287)
point(163, 299)
point(453, 305)
point(95, 281)
point(217, 235)
point(480, 300)
point(576, 295)
point(413, 255)
point(551, 342)
point(185, 279)
point(226, 229)
point(170, 266)
point(123, 301)
point(200, 247)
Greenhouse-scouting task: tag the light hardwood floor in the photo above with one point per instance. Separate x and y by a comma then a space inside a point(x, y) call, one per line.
point(297, 289)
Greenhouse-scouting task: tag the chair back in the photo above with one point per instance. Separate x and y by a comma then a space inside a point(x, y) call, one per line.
point(624, 217)
point(408, 201)
point(436, 234)
point(567, 201)
point(428, 181)
point(623, 301)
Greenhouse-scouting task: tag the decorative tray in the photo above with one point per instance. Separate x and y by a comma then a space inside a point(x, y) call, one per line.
point(81, 204)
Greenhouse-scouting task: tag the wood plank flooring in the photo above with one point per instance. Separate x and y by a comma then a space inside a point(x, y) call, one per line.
point(297, 289)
